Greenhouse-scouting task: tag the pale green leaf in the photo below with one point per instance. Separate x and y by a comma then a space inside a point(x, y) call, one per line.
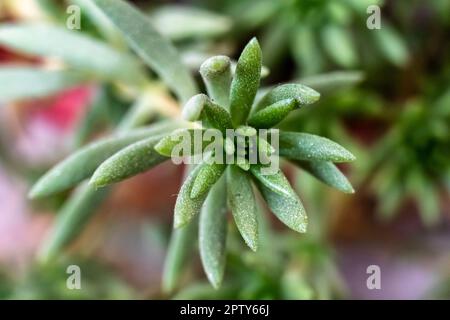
point(274, 181)
point(338, 43)
point(273, 114)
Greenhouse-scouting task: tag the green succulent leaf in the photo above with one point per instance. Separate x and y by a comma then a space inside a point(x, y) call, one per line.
point(180, 138)
point(333, 81)
point(153, 48)
point(243, 205)
point(305, 146)
point(180, 247)
point(288, 209)
point(206, 178)
point(79, 51)
point(274, 181)
point(186, 208)
point(71, 220)
point(217, 117)
point(338, 43)
point(245, 83)
point(213, 233)
point(83, 163)
point(130, 161)
point(328, 173)
point(25, 82)
point(217, 76)
point(273, 114)
point(303, 94)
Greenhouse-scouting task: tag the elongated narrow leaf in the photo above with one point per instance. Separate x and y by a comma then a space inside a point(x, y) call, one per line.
point(24, 83)
point(245, 82)
point(391, 45)
point(217, 117)
point(328, 173)
point(338, 43)
point(243, 206)
point(185, 22)
point(216, 74)
point(71, 220)
point(187, 208)
point(305, 146)
point(128, 162)
point(274, 181)
point(273, 114)
point(154, 49)
point(213, 233)
point(333, 81)
point(83, 163)
point(181, 245)
point(79, 51)
point(303, 94)
point(206, 178)
point(183, 143)
point(289, 209)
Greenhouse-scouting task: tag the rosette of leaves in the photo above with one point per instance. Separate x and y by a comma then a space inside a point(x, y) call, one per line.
point(412, 160)
point(315, 33)
point(212, 187)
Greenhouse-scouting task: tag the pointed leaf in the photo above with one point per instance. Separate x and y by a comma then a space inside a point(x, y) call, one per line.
point(289, 209)
point(303, 94)
point(83, 163)
point(273, 114)
point(206, 178)
point(213, 233)
point(24, 83)
point(182, 137)
point(154, 49)
point(305, 146)
point(243, 206)
point(130, 161)
point(328, 173)
point(245, 82)
point(79, 51)
point(275, 182)
point(217, 117)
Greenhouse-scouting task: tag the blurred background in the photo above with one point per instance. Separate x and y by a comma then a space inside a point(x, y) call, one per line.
point(392, 111)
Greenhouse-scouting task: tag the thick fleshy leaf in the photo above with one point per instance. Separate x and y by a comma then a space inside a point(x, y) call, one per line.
point(305, 146)
point(24, 83)
point(181, 245)
point(186, 208)
point(275, 181)
point(338, 43)
point(216, 74)
point(217, 117)
point(71, 220)
point(184, 22)
point(303, 94)
point(154, 49)
point(79, 51)
point(273, 114)
point(333, 81)
point(83, 163)
point(128, 162)
point(206, 178)
point(245, 82)
point(179, 138)
point(243, 206)
point(213, 233)
point(328, 173)
point(289, 209)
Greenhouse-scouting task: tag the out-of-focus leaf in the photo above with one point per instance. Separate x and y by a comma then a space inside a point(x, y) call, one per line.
point(305, 146)
point(333, 81)
point(339, 45)
point(182, 22)
point(213, 233)
point(206, 178)
point(154, 49)
point(245, 82)
point(180, 247)
point(25, 82)
point(273, 114)
point(391, 45)
point(289, 210)
point(243, 206)
point(328, 173)
point(305, 50)
point(79, 51)
point(71, 220)
point(83, 163)
point(299, 92)
point(186, 208)
point(130, 161)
